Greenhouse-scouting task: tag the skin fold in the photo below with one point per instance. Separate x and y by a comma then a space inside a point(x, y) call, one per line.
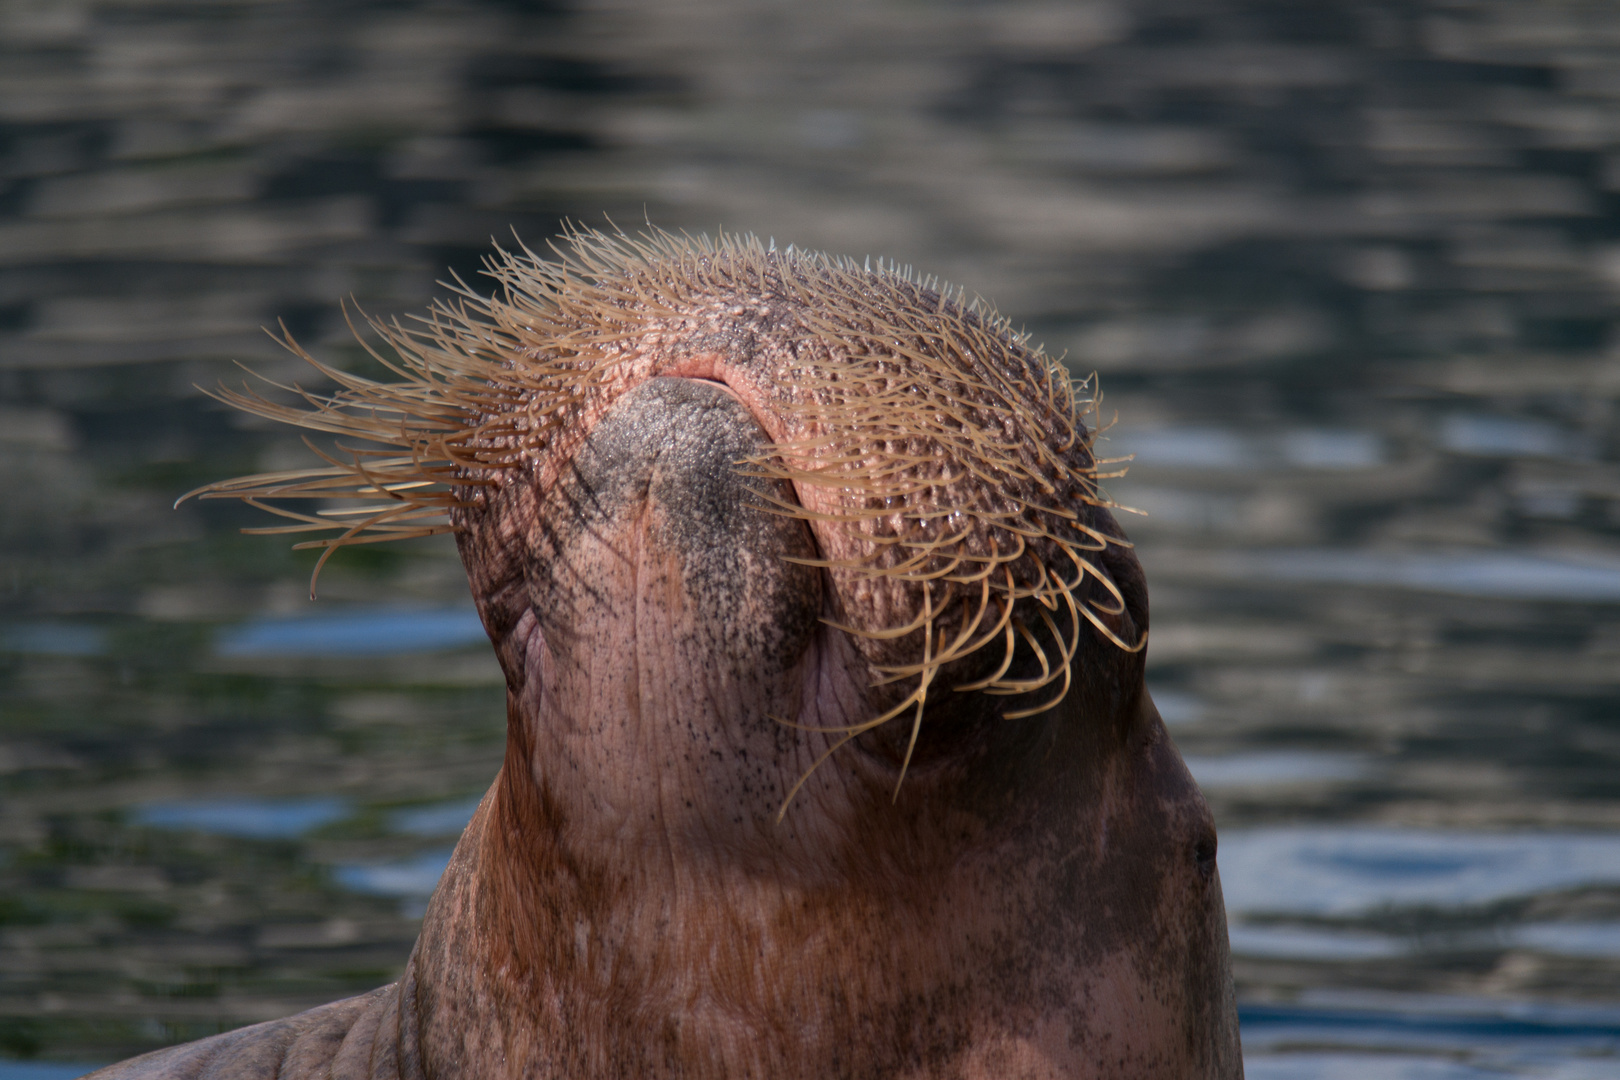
point(1037, 897)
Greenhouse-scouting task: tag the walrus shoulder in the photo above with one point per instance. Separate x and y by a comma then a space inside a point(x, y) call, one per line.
point(351, 1039)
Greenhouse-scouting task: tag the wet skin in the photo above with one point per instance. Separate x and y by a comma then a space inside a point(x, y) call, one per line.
point(1039, 900)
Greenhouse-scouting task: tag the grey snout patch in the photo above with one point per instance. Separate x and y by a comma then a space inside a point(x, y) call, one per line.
point(674, 446)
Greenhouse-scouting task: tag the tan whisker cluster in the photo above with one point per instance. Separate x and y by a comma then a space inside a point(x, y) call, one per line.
point(950, 454)
point(958, 457)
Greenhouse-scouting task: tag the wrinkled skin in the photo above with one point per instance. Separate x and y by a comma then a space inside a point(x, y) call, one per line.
point(1039, 900)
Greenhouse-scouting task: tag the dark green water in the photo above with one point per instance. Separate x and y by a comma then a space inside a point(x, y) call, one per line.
point(1349, 274)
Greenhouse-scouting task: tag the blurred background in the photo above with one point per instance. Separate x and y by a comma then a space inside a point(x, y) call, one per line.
point(1348, 272)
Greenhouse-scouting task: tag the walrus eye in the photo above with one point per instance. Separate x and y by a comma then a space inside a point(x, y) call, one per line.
point(1204, 855)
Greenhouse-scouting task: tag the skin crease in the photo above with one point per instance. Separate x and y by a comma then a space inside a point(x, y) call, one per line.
point(1038, 899)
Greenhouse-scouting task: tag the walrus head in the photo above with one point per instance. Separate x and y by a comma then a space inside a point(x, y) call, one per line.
point(829, 751)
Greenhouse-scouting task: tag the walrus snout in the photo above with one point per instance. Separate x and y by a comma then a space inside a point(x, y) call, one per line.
point(676, 610)
point(656, 486)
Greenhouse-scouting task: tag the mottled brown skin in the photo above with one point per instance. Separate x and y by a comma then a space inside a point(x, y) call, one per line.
point(1040, 900)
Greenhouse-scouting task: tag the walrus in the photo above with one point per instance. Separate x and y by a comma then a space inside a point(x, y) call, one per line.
point(829, 752)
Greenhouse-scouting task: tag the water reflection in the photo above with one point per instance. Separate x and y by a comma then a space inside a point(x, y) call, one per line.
point(1312, 943)
point(258, 819)
point(1505, 436)
point(42, 1070)
point(1274, 767)
point(1522, 575)
point(1321, 449)
point(1331, 1065)
point(1348, 870)
point(412, 878)
point(1317, 942)
point(53, 639)
point(1509, 437)
point(442, 819)
point(1584, 939)
point(1402, 1037)
point(380, 632)
point(1176, 707)
point(1218, 448)
point(1196, 448)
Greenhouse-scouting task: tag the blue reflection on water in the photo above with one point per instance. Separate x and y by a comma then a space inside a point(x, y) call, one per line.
point(1274, 768)
point(1405, 864)
point(1176, 707)
point(1312, 943)
point(1315, 448)
point(1363, 1066)
point(1518, 575)
point(43, 1070)
point(1220, 448)
point(255, 819)
point(1329, 870)
point(378, 632)
point(415, 877)
point(1422, 1041)
point(1188, 447)
point(441, 819)
point(1588, 939)
point(53, 639)
point(1502, 436)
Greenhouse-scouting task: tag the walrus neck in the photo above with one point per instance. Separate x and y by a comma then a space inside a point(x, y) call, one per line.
point(560, 958)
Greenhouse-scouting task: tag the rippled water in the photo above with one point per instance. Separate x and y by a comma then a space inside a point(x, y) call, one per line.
point(1348, 272)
